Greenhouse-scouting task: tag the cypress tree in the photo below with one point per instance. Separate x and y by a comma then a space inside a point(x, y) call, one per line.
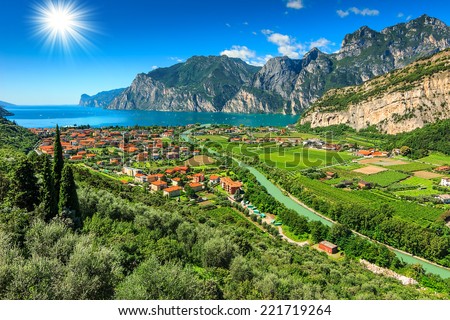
point(23, 191)
point(48, 194)
point(58, 163)
point(68, 199)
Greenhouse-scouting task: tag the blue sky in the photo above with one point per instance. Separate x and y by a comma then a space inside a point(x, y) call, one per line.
point(123, 38)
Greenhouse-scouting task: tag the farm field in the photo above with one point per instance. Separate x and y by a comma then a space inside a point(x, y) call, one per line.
point(437, 159)
point(427, 174)
point(383, 161)
point(409, 211)
point(417, 181)
point(301, 158)
point(197, 161)
point(386, 178)
point(370, 170)
point(215, 138)
point(411, 167)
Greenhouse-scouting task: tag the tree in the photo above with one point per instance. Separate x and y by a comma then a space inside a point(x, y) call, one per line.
point(189, 191)
point(48, 194)
point(68, 199)
point(58, 163)
point(23, 191)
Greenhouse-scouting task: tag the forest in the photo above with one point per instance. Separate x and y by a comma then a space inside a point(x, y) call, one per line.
point(106, 240)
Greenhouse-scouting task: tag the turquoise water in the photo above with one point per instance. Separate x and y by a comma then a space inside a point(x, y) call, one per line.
point(49, 116)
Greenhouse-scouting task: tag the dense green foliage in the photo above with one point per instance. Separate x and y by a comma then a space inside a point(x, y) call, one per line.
point(16, 137)
point(372, 216)
point(58, 163)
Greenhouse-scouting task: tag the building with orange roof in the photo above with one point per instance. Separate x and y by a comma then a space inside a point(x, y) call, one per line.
point(176, 181)
point(139, 177)
point(214, 179)
point(158, 185)
point(173, 191)
point(198, 177)
point(76, 158)
point(196, 186)
point(229, 185)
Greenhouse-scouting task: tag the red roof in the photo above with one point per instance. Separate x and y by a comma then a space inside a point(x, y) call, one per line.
point(159, 183)
point(195, 185)
point(172, 189)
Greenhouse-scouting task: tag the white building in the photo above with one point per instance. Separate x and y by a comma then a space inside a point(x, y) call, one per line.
point(445, 182)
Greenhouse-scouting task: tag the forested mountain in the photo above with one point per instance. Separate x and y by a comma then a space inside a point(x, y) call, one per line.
point(14, 136)
point(4, 112)
point(282, 85)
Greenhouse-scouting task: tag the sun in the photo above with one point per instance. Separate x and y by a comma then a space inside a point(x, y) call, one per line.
point(63, 24)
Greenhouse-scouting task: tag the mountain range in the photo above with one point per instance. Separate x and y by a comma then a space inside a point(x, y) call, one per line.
point(282, 85)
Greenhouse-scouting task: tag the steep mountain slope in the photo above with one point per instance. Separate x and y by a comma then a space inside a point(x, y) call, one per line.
point(283, 85)
point(101, 99)
point(400, 101)
point(364, 54)
point(199, 84)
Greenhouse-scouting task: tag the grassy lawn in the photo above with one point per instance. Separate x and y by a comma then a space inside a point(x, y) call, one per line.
point(417, 192)
point(437, 159)
point(411, 167)
point(215, 138)
point(386, 178)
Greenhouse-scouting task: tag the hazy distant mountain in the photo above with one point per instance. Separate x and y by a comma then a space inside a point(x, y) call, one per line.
point(101, 99)
point(283, 85)
point(6, 104)
point(3, 112)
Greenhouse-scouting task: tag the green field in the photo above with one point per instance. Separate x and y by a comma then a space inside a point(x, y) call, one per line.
point(215, 138)
point(411, 167)
point(417, 192)
point(386, 178)
point(437, 159)
point(301, 158)
point(419, 182)
point(410, 211)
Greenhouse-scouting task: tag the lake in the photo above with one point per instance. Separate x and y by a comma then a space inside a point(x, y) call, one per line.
point(49, 116)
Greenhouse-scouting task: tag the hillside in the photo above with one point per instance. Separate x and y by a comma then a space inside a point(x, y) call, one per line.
point(4, 112)
point(400, 101)
point(282, 85)
point(199, 84)
point(101, 99)
point(16, 137)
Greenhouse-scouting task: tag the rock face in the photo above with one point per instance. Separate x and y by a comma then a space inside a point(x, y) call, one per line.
point(364, 54)
point(400, 101)
point(5, 113)
point(283, 85)
point(101, 99)
point(199, 84)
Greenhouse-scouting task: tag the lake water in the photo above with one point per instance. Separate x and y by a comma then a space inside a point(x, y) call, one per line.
point(49, 116)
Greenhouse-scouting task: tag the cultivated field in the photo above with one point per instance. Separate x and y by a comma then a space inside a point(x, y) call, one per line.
point(197, 161)
point(427, 174)
point(411, 167)
point(386, 178)
point(370, 170)
point(437, 158)
point(383, 161)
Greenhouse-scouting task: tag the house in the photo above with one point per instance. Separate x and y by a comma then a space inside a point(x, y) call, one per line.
point(364, 153)
point(176, 181)
point(330, 175)
point(364, 184)
point(445, 182)
point(229, 185)
point(196, 152)
point(443, 168)
point(76, 158)
point(155, 177)
point(445, 198)
point(196, 186)
point(198, 177)
point(132, 172)
point(328, 247)
point(214, 179)
point(158, 185)
point(139, 177)
point(379, 154)
point(173, 191)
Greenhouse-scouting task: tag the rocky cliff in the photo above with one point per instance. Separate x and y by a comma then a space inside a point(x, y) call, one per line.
point(364, 54)
point(400, 101)
point(199, 84)
point(101, 99)
point(283, 85)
